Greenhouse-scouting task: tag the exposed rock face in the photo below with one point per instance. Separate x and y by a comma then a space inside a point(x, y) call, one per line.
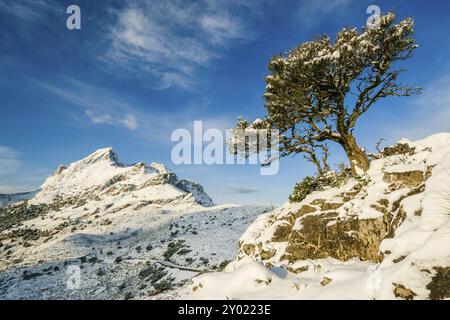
point(409, 179)
point(398, 149)
point(400, 291)
point(440, 284)
point(316, 230)
point(323, 236)
point(325, 281)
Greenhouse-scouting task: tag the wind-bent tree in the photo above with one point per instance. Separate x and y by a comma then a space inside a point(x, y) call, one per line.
point(319, 90)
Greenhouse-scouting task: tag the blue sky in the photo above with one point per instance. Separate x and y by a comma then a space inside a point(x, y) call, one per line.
point(137, 70)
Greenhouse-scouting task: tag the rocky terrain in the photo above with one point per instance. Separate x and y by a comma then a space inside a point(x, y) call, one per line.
point(99, 229)
point(385, 235)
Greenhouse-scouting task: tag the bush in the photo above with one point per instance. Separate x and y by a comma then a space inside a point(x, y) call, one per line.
point(318, 183)
point(303, 188)
point(152, 273)
point(162, 286)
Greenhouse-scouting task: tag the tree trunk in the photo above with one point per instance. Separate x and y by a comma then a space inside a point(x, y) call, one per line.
point(357, 157)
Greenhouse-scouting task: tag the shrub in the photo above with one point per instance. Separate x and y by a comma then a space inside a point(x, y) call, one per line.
point(318, 183)
point(303, 188)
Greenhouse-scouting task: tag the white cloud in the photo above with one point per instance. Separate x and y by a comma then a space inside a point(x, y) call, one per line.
point(99, 118)
point(170, 40)
point(9, 162)
point(221, 27)
point(130, 122)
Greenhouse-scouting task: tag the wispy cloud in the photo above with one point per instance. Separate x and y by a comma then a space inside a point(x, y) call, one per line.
point(27, 10)
point(169, 40)
point(15, 175)
point(241, 190)
point(98, 106)
point(9, 162)
point(128, 121)
point(222, 27)
point(311, 12)
point(428, 113)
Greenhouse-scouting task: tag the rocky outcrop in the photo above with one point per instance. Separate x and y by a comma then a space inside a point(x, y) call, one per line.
point(316, 230)
point(408, 179)
point(400, 291)
point(324, 235)
point(439, 286)
point(344, 223)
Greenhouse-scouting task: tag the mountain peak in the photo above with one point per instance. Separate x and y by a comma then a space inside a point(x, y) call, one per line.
point(100, 176)
point(103, 154)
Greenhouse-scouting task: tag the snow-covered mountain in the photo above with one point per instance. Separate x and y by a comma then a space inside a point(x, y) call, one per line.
point(100, 176)
point(131, 231)
point(384, 236)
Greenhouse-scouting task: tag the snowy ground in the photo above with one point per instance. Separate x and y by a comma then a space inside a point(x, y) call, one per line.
point(165, 249)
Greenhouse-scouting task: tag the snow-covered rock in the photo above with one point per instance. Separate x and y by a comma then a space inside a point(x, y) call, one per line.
point(386, 236)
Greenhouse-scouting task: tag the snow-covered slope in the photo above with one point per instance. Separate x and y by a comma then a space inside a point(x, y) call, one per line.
point(386, 236)
point(123, 231)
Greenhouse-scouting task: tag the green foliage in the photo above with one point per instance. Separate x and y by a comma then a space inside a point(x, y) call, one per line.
point(303, 188)
point(162, 286)
point(152, 273)
point(173, 248)
point(318, 183)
